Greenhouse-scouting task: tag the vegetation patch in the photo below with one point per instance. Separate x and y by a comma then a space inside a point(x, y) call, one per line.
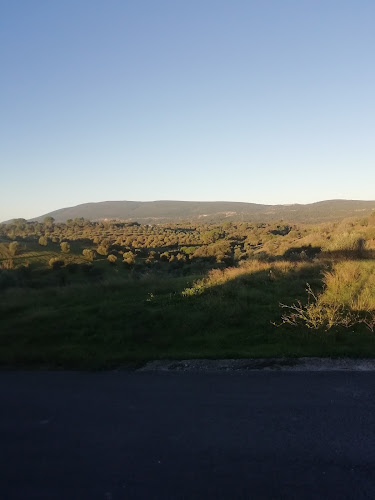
point(347, 300)
point(102, 294)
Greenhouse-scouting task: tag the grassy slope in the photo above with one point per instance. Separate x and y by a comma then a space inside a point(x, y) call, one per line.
point(121, 320)
point(38, 256)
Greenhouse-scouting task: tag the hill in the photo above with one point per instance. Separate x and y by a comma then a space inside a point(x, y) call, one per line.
point(173, 211)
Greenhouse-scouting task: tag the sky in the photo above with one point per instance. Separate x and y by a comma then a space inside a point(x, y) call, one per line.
point(262, 101)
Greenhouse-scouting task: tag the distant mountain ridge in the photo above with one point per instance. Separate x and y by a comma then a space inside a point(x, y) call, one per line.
point(212, 211)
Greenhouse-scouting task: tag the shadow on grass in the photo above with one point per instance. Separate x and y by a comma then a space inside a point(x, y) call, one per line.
point(112, 323)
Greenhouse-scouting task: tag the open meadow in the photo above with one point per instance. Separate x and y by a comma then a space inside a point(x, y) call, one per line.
point(105, 294)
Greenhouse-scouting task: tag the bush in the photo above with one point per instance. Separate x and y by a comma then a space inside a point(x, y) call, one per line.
point(102, 250)
point(112, 259)
point(43, 240)
point(89, 254)
point(65, 247)
point(129, 258)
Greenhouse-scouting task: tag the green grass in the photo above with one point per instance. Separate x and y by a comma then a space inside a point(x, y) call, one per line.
point(116, 320)
point(39, 256)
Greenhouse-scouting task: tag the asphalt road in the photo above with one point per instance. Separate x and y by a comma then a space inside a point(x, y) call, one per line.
point(119, 435)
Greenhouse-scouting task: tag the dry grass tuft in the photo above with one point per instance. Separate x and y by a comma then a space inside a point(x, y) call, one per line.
point(348, 299)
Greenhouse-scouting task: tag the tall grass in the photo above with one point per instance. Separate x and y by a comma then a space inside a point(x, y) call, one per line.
point(354, 243)
point(348, 299)
point(217, 277)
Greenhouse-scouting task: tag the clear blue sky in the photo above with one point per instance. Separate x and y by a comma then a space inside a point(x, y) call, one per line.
point(263, 101)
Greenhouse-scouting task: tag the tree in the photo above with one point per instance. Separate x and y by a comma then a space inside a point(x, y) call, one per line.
point(89, 254)
point(48, 221)
point(102, 250)
point(112, 259)
point(129, 258)
point(65, 247)
point(237, 253)
point(181, 257)
point(43, 240)
point(20, 223)
point(13, 247)
point(211, 236)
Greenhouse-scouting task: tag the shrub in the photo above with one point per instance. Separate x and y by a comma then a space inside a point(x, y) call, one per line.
point(129, 258)
point(65, 247)
point(189, 250)
point(43, 240)
point(112, 259)
point(181, 257)
point(89, 254)
point(102, 250)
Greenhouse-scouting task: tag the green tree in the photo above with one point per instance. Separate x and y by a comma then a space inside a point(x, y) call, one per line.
point(237, 253)
point(20, 223)
point(48, 221)
point(211, 236)
point(102, 250)
point(181, 257)
point(129, 258)
point(89, 254)
point(65, 247)
point(112, 259)
point(43, 240)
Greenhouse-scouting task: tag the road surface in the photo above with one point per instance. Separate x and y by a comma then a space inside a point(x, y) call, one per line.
point(133, 435)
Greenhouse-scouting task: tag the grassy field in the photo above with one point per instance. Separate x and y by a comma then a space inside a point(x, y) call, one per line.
point(218, 292)
point(120, 320)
